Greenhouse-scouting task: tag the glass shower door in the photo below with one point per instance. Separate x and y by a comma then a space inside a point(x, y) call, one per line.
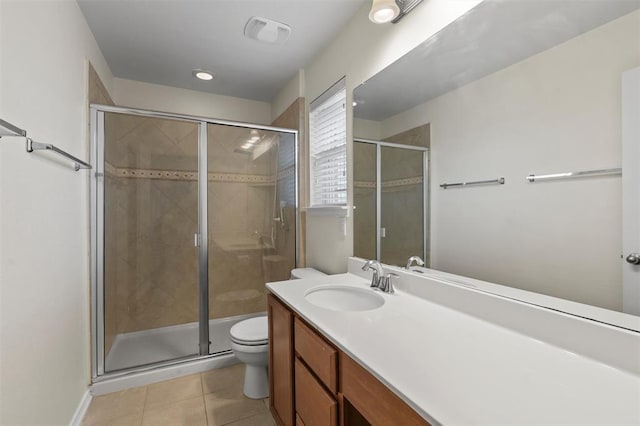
point(251, 222)
point(150, 281)
point(365, 201)
point(190, 219)
point(402, 205)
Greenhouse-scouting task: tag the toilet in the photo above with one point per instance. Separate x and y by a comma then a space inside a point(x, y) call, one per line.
point(250, 343)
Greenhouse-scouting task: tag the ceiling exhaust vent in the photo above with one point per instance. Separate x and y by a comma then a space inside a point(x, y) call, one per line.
point(267, 30)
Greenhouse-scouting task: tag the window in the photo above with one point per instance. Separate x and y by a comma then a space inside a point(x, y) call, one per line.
point(328, 147)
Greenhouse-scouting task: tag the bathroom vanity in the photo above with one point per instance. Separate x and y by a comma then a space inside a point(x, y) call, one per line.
point(437, 352)
point(314, 383)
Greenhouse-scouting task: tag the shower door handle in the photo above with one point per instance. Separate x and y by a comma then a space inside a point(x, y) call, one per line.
point(196, 240)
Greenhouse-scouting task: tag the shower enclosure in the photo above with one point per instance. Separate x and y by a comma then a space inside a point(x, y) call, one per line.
point(391, 201)
point(190, 217)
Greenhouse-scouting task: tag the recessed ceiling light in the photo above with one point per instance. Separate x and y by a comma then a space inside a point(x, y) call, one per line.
point(203, 75)
point(355, 103)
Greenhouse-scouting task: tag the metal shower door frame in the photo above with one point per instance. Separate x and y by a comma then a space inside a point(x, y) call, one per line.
point(97, 204)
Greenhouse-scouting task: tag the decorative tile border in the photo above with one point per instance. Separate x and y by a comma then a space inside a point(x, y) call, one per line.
point(156, 174)
point(402, 182)
point(193, 176)
point(417, 180)
point(110, 169)
point(364, 184)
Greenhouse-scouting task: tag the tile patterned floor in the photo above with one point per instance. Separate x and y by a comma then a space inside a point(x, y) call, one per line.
point(212, 398)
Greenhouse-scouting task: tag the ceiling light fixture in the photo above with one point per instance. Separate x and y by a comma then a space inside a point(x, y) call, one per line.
point(383, 11)
point(391, 10)
point(203, 75)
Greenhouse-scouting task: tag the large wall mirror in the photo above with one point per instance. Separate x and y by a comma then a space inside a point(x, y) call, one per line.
point(510, 89)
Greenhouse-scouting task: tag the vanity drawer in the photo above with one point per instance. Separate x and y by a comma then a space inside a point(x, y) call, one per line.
point(319, 355)
point(314, 405)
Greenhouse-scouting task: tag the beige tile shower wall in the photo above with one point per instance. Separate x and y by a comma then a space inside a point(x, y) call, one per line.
point(364, 200)
point(240, 223)
point(279, 269)
point(418, 136)
point(402, 205)
point(151, 216)
point(98, 94)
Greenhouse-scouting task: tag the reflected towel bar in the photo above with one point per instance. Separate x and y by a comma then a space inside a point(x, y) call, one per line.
point(602, 172)
point(78, 164)
point(499, 181)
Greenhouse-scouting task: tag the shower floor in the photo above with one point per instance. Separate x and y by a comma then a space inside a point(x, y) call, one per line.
point(167, 343)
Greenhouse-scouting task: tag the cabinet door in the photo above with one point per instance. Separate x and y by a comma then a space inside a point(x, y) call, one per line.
point(280, 362)
point(314, 405)
point(373, 400)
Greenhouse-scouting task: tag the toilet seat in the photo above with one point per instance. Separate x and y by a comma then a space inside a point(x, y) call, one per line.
point(251, 332)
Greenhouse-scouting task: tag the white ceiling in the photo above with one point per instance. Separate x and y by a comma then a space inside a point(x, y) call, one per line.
point(162, 41)
point(490, 37)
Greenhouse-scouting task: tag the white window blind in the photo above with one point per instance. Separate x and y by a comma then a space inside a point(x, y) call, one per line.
point(328, 147)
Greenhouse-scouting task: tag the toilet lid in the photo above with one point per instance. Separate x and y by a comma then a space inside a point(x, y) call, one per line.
point(252, 331)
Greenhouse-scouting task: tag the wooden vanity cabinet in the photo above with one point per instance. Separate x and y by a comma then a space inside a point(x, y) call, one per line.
point(313, 383)
point(280, 362)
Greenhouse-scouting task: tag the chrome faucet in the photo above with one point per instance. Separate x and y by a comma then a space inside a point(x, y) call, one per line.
point(387, 283)
point(376, 280)
point(413, 259)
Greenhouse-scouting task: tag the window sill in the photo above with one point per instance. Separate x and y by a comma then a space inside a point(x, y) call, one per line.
point(335, 211)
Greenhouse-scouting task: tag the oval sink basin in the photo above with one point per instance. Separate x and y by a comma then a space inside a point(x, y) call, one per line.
point(344, 298)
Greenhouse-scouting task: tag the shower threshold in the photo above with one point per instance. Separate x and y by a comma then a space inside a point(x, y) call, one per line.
point(167, 343)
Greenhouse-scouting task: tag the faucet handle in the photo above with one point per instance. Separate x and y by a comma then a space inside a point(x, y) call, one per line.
point(387, 283)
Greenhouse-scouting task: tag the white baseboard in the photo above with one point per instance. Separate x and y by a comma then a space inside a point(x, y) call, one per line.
point(76, 420)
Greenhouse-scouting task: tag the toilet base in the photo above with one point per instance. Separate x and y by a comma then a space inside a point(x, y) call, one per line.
point(256, 381)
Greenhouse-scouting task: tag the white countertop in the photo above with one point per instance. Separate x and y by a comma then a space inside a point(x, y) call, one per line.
point(455, 368)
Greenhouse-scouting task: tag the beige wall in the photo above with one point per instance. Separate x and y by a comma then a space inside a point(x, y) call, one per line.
point(366, 129)
point(44, 219)
point(288, 96)
point(358, 52)
point(137, 94)
point(557, 111)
